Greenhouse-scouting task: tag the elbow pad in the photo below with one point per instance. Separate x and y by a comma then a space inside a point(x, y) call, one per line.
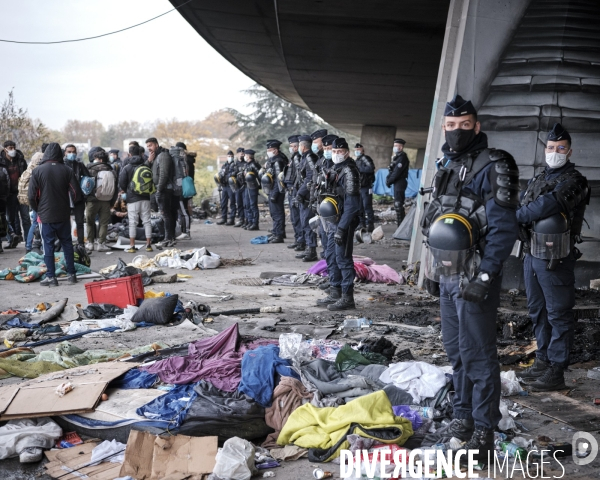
point(504, 179)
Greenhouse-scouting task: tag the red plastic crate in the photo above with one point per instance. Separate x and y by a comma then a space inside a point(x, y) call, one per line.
point(118, 291)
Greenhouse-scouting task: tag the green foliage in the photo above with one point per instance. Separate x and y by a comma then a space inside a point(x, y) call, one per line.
point(18, 126)
point(273, 117)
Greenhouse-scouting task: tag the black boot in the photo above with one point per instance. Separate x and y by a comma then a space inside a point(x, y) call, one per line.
point(239, 223)
point(483, 441)
point(458, 428)
point(370, 227)
point(399, 217)
point(230, 222)
point(311, 255)
point(552, 379)
point(1, 249)
point(253, 227)
point(301, 247)
point(531, 374)
point(221, 222)
point(324, 286)
point(335, 294)
point(293, 245)
point(72, 279)
point(276, 239)
point(344, 303)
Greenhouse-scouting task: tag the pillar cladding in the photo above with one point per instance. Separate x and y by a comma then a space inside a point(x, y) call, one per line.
point(378, 142)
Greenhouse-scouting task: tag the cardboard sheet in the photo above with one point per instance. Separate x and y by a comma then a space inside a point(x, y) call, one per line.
point(37, 397)
point(151, 457)
point(122, 404)
point(74, 459)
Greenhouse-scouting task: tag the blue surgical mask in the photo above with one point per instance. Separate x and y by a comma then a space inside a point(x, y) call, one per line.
point(71, 156)
point(124, 196)
point(396, 150)
point(315, 148)
point(356, 153)
point(327, 154)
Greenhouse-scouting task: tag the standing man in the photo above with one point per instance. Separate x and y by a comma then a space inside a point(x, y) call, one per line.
point(290, 179)
point(138, 186)
point(275, 163)
point(115, 161)
point(17, 214)
point(465, 253)
point(252, 185)
point(80, 170)
point(339, 211)
point(100, 201)
point(551, 217)
point(366, 167)
point(227, 197)
point(398, 177)
point(306, 176)
point(163, 172)
point(240, 166)
point(52, 192)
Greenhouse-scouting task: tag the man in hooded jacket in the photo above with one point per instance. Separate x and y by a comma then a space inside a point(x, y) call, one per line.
point(15, 165)
point(53, 190)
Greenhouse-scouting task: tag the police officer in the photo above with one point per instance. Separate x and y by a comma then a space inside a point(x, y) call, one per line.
point(340, 208)
point(274, 166)
point(551, 218)
point(398, 177)
point(290, 180)
point(324, 162)
point(470, 227)
point(252, 186)
point(227, 196)
point(366, 167)
point(240, 165)
point(306, 176)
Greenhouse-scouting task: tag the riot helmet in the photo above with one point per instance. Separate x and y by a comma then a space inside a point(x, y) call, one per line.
point(233, 183)
point(329, 210)
point(251, 181)
point(551, 237)
point(267, 182)
point(217, 179)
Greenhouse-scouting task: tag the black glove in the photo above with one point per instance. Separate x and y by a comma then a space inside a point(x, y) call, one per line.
point(273, 197)
point(387, 184)
point(476, 290)
point(340, 236)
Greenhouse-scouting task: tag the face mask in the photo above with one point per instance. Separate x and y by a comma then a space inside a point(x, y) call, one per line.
point(71, 156)
point(338, 158)
point(327, 154)
point(291, 150)
point(111, 158)
point(270, 154)
point(230, 159)
point(11, 153)
point(123, 196)
point(357, 153)
point(556, 160)
point(458, 140)
point(396, 149)
point(315, 148)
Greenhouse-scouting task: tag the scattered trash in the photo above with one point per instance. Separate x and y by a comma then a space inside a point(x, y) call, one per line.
point(319, 474)
point(64, 388)
point(222, 298)
point(274, 294)
point(235, 461)
point(68, 440)
point(268, 474)
point(377, 234)
point(510, 384)
point(112, 451)
point(594, 373)
point(261, 240)
point(208, 222)
point(356, 324)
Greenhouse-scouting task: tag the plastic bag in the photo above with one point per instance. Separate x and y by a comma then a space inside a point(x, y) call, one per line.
point(292, 346)
point(235, 460)
point(122, 270)
point(506, 422)
point(77, 327)
point(260, 240)
point(113, 452)
point(510, 384)
point(208, 261)
point(102, 310)
point(348, 358)
point(158, 311)
point(377, 234)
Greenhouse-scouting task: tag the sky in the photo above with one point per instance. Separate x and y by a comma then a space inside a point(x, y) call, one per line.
point(163, 69)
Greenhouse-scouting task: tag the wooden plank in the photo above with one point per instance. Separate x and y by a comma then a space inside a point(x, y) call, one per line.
point(579, 415)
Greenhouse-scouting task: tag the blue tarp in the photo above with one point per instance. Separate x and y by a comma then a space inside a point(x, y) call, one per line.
point(414, 182)
point(135, 379)
point(171, 407)
point(260, 367)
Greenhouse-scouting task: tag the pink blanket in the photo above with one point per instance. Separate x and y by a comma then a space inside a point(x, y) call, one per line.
point(365, 268)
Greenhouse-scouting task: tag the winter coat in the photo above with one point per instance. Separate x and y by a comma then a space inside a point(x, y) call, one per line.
point(190, 159)
point(53, 187)
point(163, 170)
point(15, 166)
point(94, 168)
point(126, 177)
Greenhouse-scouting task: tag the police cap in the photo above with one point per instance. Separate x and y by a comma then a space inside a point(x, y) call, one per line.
point(458, 107)
point(181, 145)
point(293, 139)
point(340, 142)
point(400, 141)
point(318, 134)
point(305, 138)
point(273, 143)
point(249, 152)
point(558, 133)
point(328, 140)
point(358, 145)
point(230, 153)
point(240, 150)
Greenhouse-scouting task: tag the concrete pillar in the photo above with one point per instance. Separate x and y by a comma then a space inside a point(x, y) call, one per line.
point(378, 142)
point(444, 91)
point(420, 158)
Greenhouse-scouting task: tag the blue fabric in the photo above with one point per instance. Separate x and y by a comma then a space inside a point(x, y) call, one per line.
point(31, 232)
point(259, 240)
point(135, 379)
point(172, 406)
point(188, 188)
point(277, 210)
point(340, 266)
point(17, 322)
point(414, 183)
point(366, 206)
point(260, 371)
point(379, 187)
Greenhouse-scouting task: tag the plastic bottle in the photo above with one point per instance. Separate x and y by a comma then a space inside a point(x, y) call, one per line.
point(426, 412)
point(512, 450)
point(499, 437)
point(356, 323)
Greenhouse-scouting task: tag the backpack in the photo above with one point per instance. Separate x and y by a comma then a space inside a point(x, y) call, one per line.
point(23, 187)
point(179, 170)
point(188, 188)
point(87, 185)
point(81, 256)
point(105, 185)
point(141, 181)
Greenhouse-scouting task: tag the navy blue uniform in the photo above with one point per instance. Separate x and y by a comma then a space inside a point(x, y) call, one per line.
point(322, 163)
point(251, 199)
point(340, 265)
point(398, 177)
point(550, 294)
point(366, 167)
point(307, 173)
point(227, 197)
point(277, 195)
point(469, 329)
point(292, 185)
point(239, 166)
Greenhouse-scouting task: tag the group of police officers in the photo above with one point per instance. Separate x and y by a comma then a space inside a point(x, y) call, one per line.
point(474, 215)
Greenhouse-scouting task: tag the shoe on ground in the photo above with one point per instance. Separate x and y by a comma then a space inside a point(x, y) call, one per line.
point(72, 279)
point(221, 222)
point(482, 440)
point(335, 294)
point(49, 282)
point(459, 428)
point(31, 455)
point(131, 250)
point(253, 227)
point(13, 242)
point(311, 255)
point(89, 247)
point(301, 247)
point(238, 224)
point(324, 286)
point(301, 255)
point(149, 248)
point(230, 223)
point(531, 374)
point(102, 247)
point(344, 303)
point(552, 379)
point(293, 245)
point(184, 236)
point(276, 239)
point(171, 243)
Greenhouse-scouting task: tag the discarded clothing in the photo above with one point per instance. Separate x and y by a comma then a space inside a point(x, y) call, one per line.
point(324, 430)
point(406, 412)
point(365, 269)
point(287, 397)
point(289, 452)
point(171, 407)
point(224, 414)
point(304, 279)
point(32, 267)
point(17, 435)
point(420, 379)
point(348, 358)
point(260, 371)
